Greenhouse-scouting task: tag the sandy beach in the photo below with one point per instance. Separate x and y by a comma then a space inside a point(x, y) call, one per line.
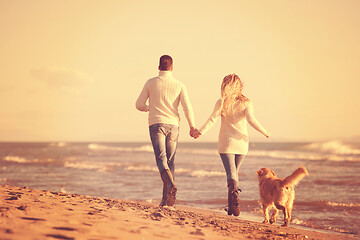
point(27, 213)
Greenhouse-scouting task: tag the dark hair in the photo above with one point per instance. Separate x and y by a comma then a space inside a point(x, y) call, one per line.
point(166, 63)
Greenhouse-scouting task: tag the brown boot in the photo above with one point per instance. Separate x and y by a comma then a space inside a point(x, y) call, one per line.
point(171, 189)
point(229, 207)
point(162, 203)
point(233, 198)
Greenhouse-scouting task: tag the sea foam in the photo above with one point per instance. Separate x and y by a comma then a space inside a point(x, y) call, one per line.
point(18, 159)
point(333, 147)
point(99, 147)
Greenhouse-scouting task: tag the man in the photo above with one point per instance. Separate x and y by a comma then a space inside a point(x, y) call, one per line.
point(165, 93)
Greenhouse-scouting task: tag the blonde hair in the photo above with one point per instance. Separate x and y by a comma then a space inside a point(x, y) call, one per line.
point(231, 92)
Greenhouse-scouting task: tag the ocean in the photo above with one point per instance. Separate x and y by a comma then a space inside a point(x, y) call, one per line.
point(328, 199)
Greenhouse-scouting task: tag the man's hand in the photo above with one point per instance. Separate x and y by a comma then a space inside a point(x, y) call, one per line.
point(194, 133)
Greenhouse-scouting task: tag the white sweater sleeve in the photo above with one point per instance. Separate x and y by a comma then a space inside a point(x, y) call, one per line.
point(249, 111)
point(141, 101)
point(212, 119)
point(188, 110)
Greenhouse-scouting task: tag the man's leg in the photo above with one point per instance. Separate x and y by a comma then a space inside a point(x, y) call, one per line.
point(171, 146)
point(172, 135)
point(158, 136)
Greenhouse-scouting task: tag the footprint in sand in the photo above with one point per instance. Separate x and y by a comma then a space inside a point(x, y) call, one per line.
point(4, 209)
point(198, 232)
point(15, 193)
point(33, 219)
point(12, 198)
point(22, 208)
point(65, 228)
point(58, 236)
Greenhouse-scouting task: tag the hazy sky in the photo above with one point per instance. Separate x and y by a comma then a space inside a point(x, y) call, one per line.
point(72, 70)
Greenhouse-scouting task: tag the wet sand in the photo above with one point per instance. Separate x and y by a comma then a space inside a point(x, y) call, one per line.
point(38, 214)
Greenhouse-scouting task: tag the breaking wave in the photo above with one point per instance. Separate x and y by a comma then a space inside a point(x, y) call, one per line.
point(322, 205)
point(203, 173)
point(144, 148)
point(99, 166)
point(142, 168)
point(288, 155)
point(18, 159)
point(58, 144)
point(333, 147)
point(109, 167)
point(318, 151)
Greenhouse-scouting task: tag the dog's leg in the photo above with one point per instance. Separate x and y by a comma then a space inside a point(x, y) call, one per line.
point(285, 211)
point(288, 209)
point(266, 208)
point(287, 218)
point(273, 216)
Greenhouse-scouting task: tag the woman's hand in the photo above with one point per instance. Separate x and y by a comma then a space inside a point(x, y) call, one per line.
point(267, 134)
point(194, 132)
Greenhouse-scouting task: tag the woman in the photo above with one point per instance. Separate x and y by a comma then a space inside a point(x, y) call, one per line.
point(236, 111)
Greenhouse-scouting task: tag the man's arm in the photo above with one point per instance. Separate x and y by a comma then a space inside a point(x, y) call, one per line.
point(141, 101)
point(188, 110)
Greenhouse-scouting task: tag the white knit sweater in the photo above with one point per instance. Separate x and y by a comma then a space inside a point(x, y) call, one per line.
point(165, 93)
point(233, 136)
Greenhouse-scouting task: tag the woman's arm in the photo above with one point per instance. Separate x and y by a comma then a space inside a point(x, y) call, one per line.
point(212, 119)
point(249, 112)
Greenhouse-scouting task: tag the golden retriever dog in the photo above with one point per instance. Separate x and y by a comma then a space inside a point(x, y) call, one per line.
point(278, 192)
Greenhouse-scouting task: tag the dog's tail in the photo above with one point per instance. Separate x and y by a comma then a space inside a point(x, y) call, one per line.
point(295, 177)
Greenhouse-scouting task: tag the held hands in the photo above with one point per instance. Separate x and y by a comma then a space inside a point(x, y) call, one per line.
point(194, 132)
point(267, 134)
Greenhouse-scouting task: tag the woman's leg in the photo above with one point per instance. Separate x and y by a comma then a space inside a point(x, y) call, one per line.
point(229, 165)
point(232, 179)
point(239, 158)
point(232, 165)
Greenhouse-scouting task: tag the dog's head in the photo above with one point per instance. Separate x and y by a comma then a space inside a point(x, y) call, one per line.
point(265, 172)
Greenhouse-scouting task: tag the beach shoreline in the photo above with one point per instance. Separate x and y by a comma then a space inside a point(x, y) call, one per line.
point(27, 213)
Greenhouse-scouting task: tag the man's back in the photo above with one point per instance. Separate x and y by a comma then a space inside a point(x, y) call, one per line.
point(164, 93)
point(164, 99)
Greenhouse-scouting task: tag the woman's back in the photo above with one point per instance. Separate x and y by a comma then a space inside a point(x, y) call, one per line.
point(233, 135)
point(236, 111)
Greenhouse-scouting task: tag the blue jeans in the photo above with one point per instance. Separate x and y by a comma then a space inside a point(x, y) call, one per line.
point(232, 163)
point(164, 138)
